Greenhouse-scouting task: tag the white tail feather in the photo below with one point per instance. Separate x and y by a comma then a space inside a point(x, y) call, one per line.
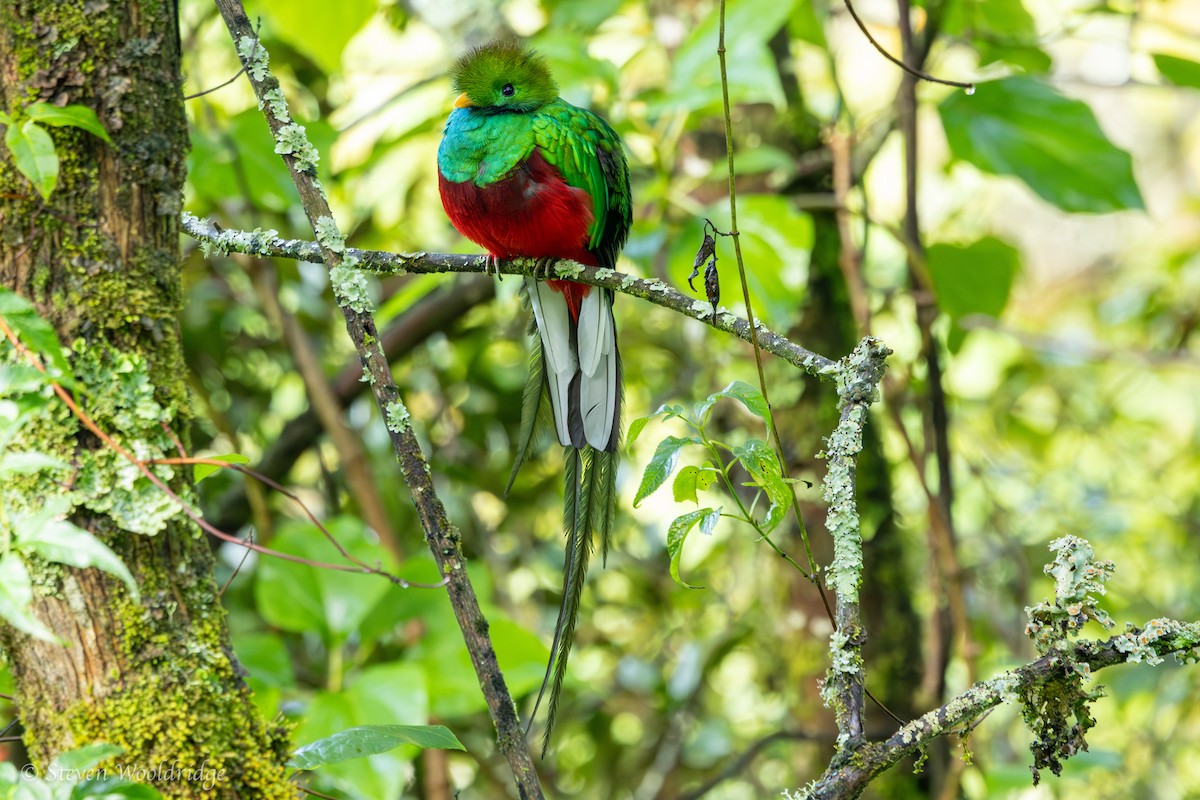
point(554, 327)
point(592, 334)
point(598, 364)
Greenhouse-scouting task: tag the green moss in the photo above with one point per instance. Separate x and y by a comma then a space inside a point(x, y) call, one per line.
point(199, 721)
point(181, 701)
point(178, 700)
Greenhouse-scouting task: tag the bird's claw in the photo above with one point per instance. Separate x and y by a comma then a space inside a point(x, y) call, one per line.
point(491, 266)
point(543, 267)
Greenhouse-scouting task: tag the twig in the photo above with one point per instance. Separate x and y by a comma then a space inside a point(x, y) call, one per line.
point(238, 568)
point(236, 75)
point(913, 71)
point(443, 539)
point(315, 793)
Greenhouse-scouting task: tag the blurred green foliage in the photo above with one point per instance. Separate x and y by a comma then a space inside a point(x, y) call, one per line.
point(1072, 369)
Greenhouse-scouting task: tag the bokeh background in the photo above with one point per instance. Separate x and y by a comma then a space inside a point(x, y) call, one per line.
point(1057, 285)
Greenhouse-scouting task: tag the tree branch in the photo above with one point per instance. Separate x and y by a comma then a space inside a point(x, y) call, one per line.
point(443, 539)
point(268, 243)
point(858, 387)
point(847, 777)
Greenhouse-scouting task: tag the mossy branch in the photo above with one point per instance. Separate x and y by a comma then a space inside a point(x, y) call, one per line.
point(269, 244)
point(858, 386)
point(848, 777)
point(1052, 691)
point(442, 537)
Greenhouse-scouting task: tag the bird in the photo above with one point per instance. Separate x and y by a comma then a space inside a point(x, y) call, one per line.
point(523, 173)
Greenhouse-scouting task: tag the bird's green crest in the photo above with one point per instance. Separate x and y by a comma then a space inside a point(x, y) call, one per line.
point(504, 76)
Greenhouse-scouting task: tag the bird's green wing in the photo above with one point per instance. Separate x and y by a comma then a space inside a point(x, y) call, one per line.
point(588, 154)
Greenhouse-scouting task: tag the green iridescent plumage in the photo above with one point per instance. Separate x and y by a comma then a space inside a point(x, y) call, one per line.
point(486, 147)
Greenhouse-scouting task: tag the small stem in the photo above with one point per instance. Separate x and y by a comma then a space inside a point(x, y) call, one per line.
point(724, 473)
point(811, 573)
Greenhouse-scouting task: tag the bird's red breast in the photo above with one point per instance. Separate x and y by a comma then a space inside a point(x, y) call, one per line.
point(532, 213)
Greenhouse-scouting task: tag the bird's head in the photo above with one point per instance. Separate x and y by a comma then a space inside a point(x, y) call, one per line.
point(502, 77)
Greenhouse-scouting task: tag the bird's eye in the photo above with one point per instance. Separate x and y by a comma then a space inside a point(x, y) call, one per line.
point(509, 90)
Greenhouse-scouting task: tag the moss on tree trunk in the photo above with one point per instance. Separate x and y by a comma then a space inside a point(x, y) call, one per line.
point(101, 262)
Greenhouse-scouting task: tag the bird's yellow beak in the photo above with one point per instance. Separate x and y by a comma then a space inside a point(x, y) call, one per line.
point(462, 101)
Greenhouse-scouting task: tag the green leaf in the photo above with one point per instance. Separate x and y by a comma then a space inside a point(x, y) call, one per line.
point(33, 331)
point(73, 116)
point(1023, 127)
point(806, 26)
point(65, 543)
point(638, 425)
point(750, 397)
point(16, 593)
point(386, 694)
point(747, 395)
point(27, 461)
point(34, 155)
point(114, 788)
point(86, 757)
point(1179, 71)
point(61, 541)
point(695, 80)
point(661, 465)
point(301, 598)
point(367, 740)
point(1003, 19)
point(635, 429)
point(5, 119)
point(297, 20)
point(763, 465)
point(973, 279)
point(202, 471)
point(678, 532)
point(691, 480)
point(18, 379)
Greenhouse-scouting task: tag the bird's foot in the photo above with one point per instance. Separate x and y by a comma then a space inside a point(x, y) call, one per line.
point(543, 268)
point(491, 266)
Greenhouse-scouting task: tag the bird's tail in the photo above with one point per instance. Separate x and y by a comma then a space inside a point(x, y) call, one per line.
point(579, 370)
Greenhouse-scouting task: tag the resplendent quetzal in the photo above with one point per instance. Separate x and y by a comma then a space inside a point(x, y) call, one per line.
point(526, 174)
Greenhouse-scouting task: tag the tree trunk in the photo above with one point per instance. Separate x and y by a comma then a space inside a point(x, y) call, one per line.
point(100, 260)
